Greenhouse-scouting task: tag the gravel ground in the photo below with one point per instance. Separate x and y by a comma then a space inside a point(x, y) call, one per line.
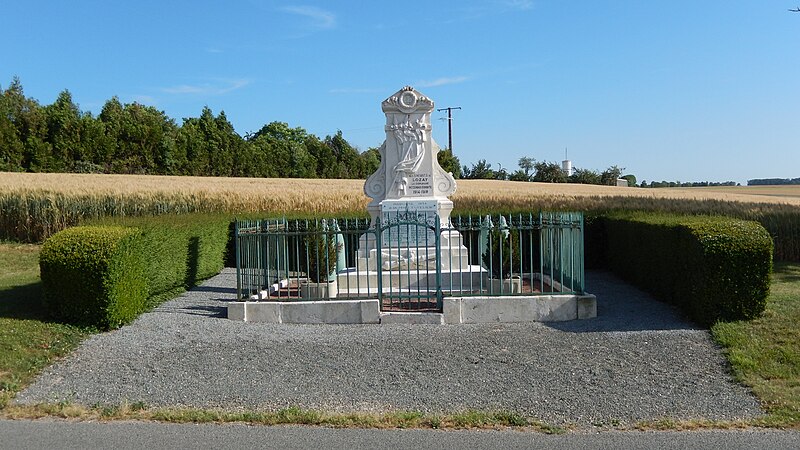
point(639, 359)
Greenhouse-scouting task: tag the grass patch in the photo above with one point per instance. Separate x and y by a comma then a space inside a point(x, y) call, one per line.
point(286, 416)
point(764, 353)
point(29, 341)
point(667, 424)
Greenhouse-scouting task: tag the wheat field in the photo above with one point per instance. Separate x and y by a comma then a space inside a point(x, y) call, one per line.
point(36, 205)
point(322, 195)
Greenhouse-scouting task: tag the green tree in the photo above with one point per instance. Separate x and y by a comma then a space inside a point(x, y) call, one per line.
point(372, 160)
point(64, 133)
point(519, 175)
point(347, 158)
point(266, 156)
point(631, 179)
point(12, 148)
point(191, 156)
point(480, 171)
point(584, 176)
point(526, 168)
point(610, 176)
point(210, 144)
point(224, 145)
point(29, 121)
point(449, 162)
point(327, 165)
point(501, 173)
point(280, 131)
point(111, 118)
point(527, 165)
point(141, 138)
point(300, 164)
point(291, 152)
point(547, 172)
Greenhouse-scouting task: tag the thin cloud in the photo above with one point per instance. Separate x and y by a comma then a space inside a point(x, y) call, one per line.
point(207, 88)
point(441, 82)
point(521, 5)
point(477, 12)
point(320, 18)
point(354, 91)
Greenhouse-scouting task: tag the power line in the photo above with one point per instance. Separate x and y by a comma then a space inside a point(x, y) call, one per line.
point(449, 125)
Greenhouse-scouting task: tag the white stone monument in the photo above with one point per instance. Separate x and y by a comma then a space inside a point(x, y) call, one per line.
point(411, 181)
point(409, 170)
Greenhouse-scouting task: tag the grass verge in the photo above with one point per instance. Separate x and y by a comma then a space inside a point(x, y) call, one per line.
point(765, 353)
point(287, 416)
point(28, 340)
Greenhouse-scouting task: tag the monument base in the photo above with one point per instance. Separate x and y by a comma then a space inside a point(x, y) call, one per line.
point(413, 233)
point(467, 279)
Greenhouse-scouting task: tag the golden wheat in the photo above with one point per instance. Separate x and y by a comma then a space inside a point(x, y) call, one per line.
point(36, 205)
point(316, 195)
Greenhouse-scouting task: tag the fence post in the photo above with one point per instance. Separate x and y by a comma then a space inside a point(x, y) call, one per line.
point(238, 260)
point(378, 255)
point(438, 240)
point(581, 267)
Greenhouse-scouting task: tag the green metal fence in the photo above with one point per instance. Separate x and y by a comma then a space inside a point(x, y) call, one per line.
point(409, 270)
point(409, 261)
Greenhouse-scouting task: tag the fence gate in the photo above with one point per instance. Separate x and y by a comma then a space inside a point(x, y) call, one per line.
point(409, 266)
point(399, 258)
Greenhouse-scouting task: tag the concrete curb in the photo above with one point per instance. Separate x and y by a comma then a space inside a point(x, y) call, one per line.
point(456, 310)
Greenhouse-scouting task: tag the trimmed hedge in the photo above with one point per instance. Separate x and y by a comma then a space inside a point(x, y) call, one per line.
point(105, 275)
point(714, 268)
point(181, 250)
point(94, 276)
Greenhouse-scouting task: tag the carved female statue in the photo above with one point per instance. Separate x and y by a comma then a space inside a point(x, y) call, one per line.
point(410, 139)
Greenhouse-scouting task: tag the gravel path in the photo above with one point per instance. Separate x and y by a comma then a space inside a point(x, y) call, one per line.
point(637, 360)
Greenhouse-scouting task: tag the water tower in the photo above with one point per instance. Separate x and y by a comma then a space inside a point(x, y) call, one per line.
point(566, 164)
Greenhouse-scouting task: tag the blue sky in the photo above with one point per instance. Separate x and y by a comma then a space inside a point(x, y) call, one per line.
point(670, 90)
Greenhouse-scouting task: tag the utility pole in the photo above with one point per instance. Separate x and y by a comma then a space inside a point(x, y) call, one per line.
point(449, 125)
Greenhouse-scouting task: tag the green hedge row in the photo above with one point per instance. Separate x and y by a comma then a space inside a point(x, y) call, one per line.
point(105, 275)
point(713, 268)
point(94, 276)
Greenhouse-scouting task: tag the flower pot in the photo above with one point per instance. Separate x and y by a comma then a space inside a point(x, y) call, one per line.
point(505, 286)
point(318, 291)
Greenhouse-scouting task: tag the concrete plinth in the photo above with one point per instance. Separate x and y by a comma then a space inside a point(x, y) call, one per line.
point(469, 278)
point(540, 308)
point(307, 312)
point(412, 318)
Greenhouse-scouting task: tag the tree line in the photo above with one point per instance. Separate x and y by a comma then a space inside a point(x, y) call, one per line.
point(545, 172)
point(132, 138)
point(662, 184)
point(773, 181)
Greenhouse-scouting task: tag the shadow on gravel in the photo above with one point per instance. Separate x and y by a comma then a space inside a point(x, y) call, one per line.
point(622, 307)
point(216, 289)
point(208, 311)
point(197, 310)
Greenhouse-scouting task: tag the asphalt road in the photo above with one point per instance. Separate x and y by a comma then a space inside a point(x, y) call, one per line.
point(49, 434)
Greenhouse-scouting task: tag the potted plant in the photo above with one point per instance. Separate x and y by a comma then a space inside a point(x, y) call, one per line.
point(322, 252)
point(501, 259)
